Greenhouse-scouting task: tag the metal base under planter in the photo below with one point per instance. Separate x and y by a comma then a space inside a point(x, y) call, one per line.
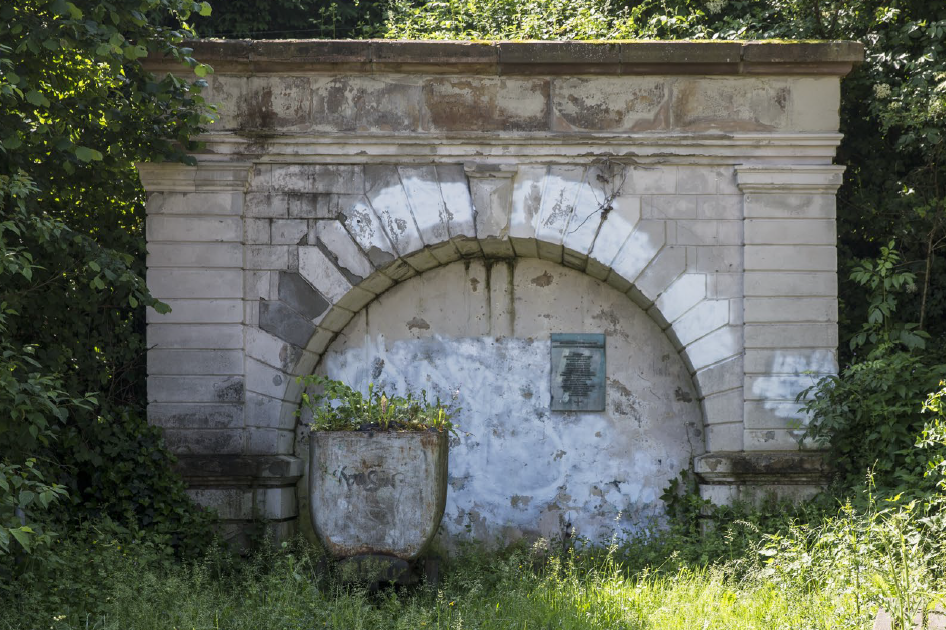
point(377, 494)
point(376, 570)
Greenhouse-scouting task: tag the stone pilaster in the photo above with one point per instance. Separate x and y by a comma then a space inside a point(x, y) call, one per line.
point(196, 358)
point(790, 335)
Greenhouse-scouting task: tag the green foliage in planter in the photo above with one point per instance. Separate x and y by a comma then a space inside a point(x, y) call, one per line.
point(338, 407)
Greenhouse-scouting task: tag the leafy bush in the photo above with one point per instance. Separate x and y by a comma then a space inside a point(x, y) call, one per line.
point(338, 407)
point(22, 487)
point(76, 112)
point(870, 415)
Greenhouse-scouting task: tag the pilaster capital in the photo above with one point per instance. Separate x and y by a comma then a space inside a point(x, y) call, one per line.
point(792, 178)
point(205, 177)
point(490, 171)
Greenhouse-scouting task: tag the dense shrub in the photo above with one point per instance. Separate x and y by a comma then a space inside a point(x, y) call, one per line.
point(76, 112)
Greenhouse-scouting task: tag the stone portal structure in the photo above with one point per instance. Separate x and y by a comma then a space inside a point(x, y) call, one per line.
point(428, 214)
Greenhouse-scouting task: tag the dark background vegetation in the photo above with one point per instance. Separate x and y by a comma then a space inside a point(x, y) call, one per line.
point(78, 462)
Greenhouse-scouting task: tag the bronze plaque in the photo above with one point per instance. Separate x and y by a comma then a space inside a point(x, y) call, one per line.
point(578, 372)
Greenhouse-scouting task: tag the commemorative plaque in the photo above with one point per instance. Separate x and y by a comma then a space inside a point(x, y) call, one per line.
point(578, 372)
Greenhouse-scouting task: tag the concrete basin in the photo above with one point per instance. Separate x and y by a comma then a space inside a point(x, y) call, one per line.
point(377, 493)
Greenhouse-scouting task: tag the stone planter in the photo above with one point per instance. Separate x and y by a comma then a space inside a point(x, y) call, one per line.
point(377, 493)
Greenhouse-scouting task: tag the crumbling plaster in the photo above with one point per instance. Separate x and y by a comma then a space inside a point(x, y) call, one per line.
point(480, 331)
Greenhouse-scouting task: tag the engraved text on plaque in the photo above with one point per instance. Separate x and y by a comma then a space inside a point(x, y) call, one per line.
point(578, 371)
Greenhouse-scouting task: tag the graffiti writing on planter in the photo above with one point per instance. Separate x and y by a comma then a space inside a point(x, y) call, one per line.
point(370, 481)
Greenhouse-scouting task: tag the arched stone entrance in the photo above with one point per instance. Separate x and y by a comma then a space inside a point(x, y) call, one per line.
point(478, 330)
point(715, 218)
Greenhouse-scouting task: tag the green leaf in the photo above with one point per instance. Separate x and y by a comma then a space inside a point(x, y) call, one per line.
point(37, 99)
point(205, 9)
point(201, 69)
point(94, 266)
point(85, 154)
point(26, 498)
point(22, 538)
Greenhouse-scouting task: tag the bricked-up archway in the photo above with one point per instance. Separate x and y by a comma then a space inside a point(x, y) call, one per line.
point(342, 168)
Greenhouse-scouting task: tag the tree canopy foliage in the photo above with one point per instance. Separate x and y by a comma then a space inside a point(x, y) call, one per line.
point(76, 112)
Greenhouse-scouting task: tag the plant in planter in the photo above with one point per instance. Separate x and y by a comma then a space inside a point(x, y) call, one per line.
point(377, 475)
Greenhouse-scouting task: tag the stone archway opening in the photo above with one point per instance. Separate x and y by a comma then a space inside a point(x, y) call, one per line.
point(478, 330)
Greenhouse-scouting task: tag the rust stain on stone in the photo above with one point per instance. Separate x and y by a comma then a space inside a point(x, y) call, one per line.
point(418, 323)
point(543, 280)
point(476, 104)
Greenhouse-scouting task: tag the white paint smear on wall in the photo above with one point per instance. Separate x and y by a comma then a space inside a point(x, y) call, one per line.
point(519, 469)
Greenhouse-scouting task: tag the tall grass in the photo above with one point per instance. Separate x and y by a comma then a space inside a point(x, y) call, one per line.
point(524, 589)
point(835, 573)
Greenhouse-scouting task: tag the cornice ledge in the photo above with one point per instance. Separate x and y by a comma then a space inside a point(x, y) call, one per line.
point(763, 468)
point(205, 177)
point(795, 178)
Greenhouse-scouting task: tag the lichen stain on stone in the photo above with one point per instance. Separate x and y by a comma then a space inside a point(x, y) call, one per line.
point(682, 396)
point(543, 280)
point(474, 284)
point(612, 322)
point(277, 380)
point(229, 391)
point(360, 223)
point(418, 323)
point(519, 500)
point(526, 392)
point(377, 368)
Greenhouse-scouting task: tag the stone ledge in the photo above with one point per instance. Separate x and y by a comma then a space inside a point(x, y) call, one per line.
point(230, 471)
point(767, 468)
point(529, 57)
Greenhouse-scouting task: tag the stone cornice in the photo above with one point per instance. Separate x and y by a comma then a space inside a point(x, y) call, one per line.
point(795, 178)
point(524, 58)
point(239, 470)
point(205, 177)
point(815, 148)
point(763, 468)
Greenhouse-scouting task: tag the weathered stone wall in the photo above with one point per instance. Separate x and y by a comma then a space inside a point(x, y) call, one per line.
point(481, 330)
point(704, 204)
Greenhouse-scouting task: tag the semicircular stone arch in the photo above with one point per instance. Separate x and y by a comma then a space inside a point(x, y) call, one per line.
point(411, 219)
